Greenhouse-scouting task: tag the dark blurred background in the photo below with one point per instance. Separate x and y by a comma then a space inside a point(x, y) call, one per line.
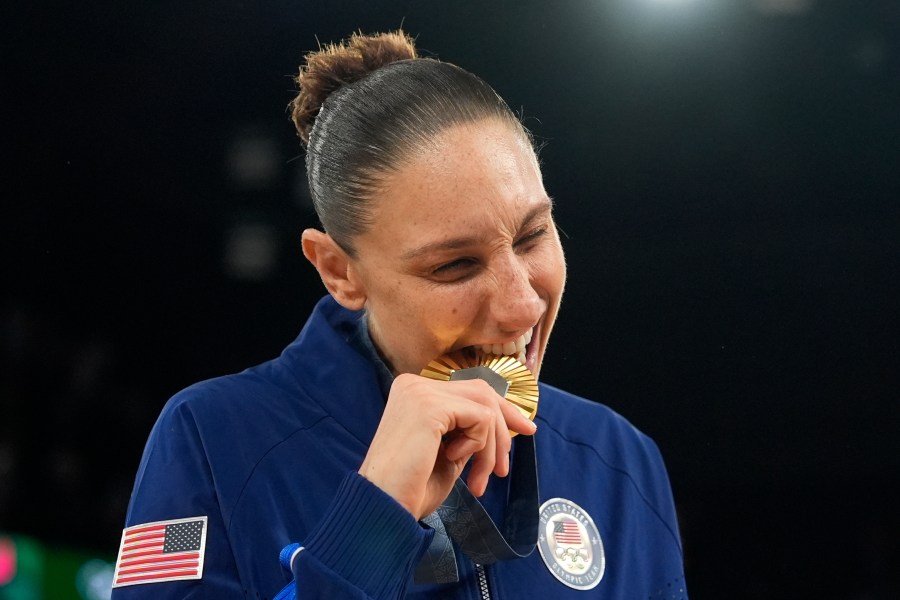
point(727, 175)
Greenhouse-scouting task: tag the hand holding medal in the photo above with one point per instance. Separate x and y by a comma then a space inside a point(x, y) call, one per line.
point(434, 424)
point(509, 377)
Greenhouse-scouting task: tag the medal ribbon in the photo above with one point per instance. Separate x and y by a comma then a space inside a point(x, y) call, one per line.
point(462, 518)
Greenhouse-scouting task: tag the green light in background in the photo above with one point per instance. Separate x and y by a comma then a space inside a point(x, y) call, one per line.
point(22, 562)
point(32, 571)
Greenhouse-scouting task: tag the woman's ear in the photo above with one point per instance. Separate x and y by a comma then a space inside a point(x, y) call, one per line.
point(335, 269)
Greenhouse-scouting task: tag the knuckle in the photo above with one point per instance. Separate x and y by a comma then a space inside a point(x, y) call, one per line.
point(486, 388)
point(483, 391)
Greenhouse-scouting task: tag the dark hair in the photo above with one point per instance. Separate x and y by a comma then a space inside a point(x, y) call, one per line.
point(366, 104)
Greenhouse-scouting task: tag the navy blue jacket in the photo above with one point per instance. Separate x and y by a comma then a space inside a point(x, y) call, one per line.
point(269, 456)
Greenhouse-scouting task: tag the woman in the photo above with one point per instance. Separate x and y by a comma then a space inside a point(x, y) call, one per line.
point(338, 457)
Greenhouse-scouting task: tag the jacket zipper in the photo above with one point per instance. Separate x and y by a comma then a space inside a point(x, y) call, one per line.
point(482, 582)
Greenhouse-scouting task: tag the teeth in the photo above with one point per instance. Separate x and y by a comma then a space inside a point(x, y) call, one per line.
point(514, 348)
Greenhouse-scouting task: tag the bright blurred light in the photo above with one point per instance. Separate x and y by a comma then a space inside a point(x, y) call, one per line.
point(7, 561)
point(251, 251)
point(94, 580)
point(254, 160)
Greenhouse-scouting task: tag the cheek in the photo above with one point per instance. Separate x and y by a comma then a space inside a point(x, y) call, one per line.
point(450, 311)
point(392, 302)
point(429, 316)
point(548, 270)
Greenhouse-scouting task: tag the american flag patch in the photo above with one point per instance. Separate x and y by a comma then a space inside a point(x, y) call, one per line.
point(161, 551)
point(567, 532)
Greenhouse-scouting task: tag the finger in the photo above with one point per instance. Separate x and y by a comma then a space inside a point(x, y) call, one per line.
point(503, 443)
point(462, 446)
point(469, 427)
point(483, 393)
point(515, 420)
point(484, 462)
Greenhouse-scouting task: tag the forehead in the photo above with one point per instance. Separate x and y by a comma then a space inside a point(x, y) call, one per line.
point(472, 179)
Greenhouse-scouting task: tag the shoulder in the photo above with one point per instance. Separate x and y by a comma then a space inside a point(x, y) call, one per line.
point(571, 420)
point(212, 436)
point(251, 410)
point(283, 384)
point(229, 393)
point(585, 420)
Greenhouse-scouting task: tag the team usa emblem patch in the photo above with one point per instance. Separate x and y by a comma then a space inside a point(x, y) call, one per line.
point(570, 544)
point(161, 551)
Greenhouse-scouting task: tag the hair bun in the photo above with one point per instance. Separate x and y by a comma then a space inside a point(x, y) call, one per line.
point(328, 68)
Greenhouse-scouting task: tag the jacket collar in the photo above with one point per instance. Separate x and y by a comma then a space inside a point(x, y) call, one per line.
point(334, 362)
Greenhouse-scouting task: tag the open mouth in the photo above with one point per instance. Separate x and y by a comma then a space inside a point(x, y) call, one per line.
point(518, 349)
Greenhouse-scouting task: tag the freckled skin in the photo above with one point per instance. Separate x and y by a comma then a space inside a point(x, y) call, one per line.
point(479, 182)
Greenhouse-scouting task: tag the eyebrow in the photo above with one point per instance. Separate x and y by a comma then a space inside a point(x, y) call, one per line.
point(464, 241)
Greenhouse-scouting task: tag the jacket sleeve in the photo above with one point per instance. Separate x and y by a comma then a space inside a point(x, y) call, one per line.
point(366, 547)
point(174, 481)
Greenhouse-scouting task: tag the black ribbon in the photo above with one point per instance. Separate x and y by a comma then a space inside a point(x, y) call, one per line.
point(462, 518)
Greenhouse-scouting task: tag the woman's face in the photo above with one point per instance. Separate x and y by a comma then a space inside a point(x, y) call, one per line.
point(463, 252)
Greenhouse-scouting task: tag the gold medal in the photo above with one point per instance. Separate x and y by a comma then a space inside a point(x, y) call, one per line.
point(509, 378)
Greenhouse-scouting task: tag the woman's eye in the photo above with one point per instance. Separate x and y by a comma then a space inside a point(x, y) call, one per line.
point(451, 267)
point(531, 237)
point(451, 272)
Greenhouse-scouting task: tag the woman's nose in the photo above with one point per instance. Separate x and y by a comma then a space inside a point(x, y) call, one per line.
point(515, 303)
